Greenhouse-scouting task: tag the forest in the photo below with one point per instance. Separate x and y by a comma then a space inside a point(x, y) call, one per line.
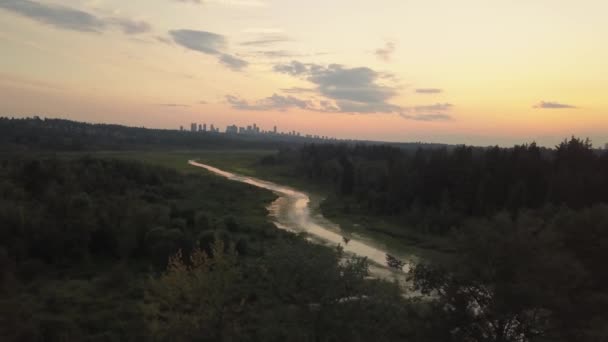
point(95, 249)
point(434, 190)
point(98, 248)
point(527, 228)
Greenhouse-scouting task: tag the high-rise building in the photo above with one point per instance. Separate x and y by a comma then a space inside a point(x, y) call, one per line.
point(200, 127)
point(212, 129)
point(204, 127)
point(232, 129)
point(181, 128)
point(193, 127)
point(274, 130)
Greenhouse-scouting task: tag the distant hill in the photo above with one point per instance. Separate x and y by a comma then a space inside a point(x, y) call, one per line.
point(37, 133)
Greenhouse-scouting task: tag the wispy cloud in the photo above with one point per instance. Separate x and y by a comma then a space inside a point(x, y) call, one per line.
point(385, 53)
point(298, 90)
point(208, 43)
point(266, 40)
point(428, 91)
point(274, 102)
point(233, 62)
point(427, 117)
point(69, 18)
point(433, 112)
point(553, 105)
point(437, 107)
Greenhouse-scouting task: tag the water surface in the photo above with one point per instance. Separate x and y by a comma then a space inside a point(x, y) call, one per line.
point(294, 212)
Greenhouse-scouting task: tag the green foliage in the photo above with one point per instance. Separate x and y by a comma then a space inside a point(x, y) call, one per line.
point(529, 276)
point(194, 299)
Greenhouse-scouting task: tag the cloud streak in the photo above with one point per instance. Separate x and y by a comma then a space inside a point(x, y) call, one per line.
point(553, 105)
point(208, 43)
point(173, 105)
point(428, 91)
point(274, 102)
point(265, 41)
point(68, 18)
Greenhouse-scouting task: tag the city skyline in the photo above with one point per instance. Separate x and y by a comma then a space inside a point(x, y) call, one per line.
point(252, 129)
point(469, 72)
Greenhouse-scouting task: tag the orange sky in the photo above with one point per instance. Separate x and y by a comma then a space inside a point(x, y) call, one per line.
point(472, 71)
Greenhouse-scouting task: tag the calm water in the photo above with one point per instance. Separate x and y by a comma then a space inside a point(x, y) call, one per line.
point(293, 211)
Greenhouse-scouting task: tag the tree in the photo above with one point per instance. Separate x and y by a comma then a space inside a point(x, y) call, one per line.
point(193, 299)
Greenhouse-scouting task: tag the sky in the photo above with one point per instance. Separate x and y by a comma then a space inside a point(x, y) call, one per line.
point(478, 72)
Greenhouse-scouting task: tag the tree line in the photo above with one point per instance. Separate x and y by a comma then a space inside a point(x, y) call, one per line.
point(436, 189)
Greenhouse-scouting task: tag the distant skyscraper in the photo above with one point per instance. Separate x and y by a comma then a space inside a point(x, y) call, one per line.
point(204, 127)
point(193, 127)
point(212, 129)
point(232, 129)
point(200, 127)
point(274, 130)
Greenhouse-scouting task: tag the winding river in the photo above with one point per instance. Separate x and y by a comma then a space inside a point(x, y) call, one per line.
point(294, 211)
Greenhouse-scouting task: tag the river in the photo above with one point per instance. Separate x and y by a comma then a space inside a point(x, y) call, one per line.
point(294, 211)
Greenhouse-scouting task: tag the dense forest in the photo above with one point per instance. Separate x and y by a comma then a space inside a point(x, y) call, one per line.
point(434, 190)
point(108, 250)
point(528, 229)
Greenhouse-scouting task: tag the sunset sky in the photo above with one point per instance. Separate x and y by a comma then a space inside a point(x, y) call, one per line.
point(468, 71)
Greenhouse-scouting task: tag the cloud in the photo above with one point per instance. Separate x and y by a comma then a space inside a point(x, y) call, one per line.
point(427, 117)
point(553, 105)
point(433, 112)
point(201, 41)
point(437, 107)
point(68, 18)
point(297, 90)
point(131, 26)
point(340, 89)
point(386, 52)
point(208, 43)
point(175, 105)
point(267, 40)
point(354, 90)
point(428, 91)
point(274, 102)
point(232, 62)
point(294, 68)
point(276, 53)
